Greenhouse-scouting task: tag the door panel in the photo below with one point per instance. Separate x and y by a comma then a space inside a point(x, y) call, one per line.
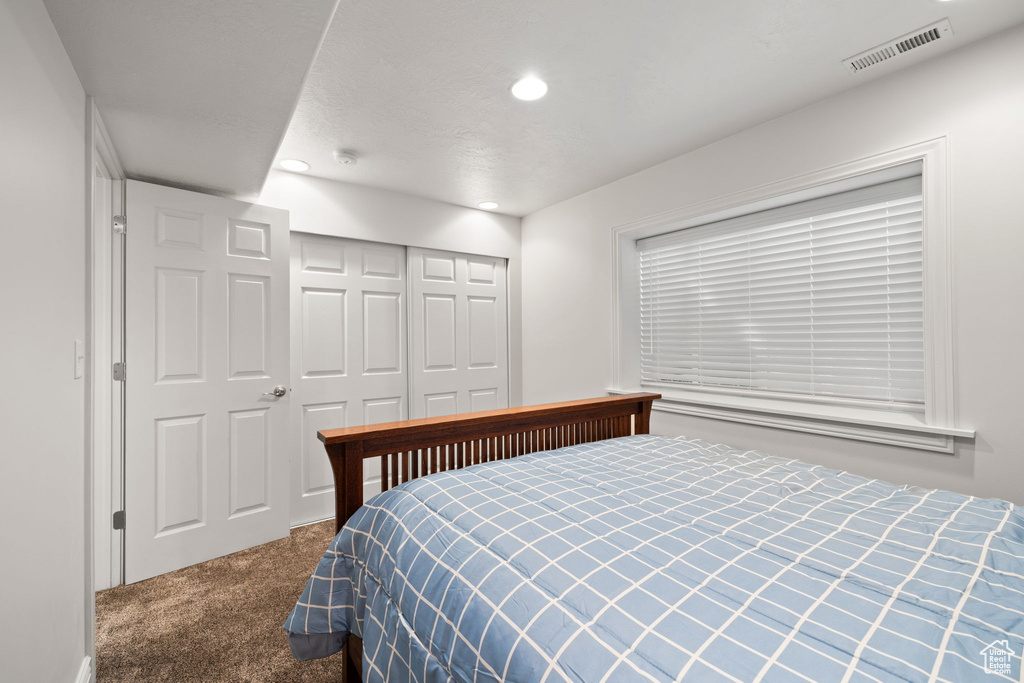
point(483, 332)
point(249, 333)
point(438, 329)
point(249, 461)
point(179, 325)
point(207, 305)
point(323, 332)
point(459, 333)
point(349, 320)
point(181, 476)
point(382, 323)
point(314, 471)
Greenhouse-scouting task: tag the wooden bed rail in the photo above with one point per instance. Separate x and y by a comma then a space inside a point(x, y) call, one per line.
point(414, 448)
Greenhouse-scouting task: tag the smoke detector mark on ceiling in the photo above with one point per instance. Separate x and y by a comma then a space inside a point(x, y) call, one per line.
point(899, 46)
point(346, 157)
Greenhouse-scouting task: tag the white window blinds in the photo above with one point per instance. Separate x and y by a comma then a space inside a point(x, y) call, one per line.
point(821, 299)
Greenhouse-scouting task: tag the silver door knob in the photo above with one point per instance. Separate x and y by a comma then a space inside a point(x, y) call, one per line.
point(279, 390)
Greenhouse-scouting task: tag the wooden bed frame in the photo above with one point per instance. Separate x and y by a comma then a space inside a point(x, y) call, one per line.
point(415, 448)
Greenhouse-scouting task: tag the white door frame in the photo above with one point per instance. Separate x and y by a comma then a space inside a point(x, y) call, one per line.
point(103, 447)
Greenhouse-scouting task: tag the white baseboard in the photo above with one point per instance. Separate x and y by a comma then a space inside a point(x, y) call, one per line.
point(85, 671)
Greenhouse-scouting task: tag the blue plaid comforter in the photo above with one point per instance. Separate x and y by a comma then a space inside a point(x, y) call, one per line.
point(655, 559)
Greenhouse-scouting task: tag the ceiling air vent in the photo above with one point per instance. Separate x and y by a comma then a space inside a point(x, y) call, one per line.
point(899, 46)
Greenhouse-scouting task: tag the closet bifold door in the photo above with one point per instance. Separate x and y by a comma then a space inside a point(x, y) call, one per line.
point(458, 312)
point(349, 361)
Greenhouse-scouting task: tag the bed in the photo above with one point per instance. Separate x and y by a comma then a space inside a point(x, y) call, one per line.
point(565, 543)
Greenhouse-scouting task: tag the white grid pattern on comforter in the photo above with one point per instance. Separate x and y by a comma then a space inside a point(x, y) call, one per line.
point(655, 559)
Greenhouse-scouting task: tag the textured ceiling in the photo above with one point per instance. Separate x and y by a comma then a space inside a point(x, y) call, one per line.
point(198, 93)
point(194, 93)
point(420, 89)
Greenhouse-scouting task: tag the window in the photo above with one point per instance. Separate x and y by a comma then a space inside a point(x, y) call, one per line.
point(819, 301)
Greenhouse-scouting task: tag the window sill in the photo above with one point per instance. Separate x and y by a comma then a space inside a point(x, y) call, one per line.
point(896, 429)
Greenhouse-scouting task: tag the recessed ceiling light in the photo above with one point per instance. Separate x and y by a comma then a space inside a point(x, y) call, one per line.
point(529, 88)
point(296, 165)
point(488, 206)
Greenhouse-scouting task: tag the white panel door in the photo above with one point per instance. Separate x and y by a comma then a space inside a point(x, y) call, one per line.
point(459, 333)
point(349, 367)
point(207, 342)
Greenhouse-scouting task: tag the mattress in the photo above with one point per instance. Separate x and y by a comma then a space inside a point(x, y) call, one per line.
point(648, 558)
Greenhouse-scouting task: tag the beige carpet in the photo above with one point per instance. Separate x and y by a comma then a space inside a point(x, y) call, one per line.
point(216, 621)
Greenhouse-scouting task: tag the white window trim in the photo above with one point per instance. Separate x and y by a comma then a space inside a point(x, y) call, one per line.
point(936, 431)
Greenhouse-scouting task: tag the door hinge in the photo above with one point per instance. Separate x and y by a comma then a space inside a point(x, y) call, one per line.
point(120, 224)
point(119, 520)
point(119, 372)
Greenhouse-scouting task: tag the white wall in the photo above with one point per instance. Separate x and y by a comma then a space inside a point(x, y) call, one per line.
point(328, 207)
point(976, 97)
point(42, 311)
